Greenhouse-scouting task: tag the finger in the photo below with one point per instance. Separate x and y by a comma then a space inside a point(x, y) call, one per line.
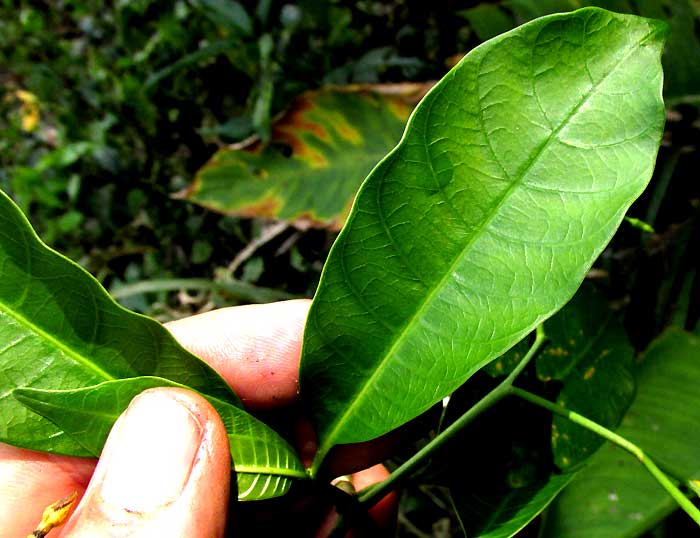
point(256, 348)
point(164, 471)
point(30, 481)
point(384, 512)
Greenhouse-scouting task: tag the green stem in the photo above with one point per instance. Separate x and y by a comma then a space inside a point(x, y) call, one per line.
point(614, 438)
point(371, 495)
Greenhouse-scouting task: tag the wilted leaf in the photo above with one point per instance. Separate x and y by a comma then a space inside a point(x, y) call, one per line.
point(321, 150)
point(615, 497)
point(514, 173)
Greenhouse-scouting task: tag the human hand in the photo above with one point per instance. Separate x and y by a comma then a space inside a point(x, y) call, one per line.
point(165, 469)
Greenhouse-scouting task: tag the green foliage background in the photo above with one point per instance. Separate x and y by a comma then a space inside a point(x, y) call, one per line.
point(133, 97)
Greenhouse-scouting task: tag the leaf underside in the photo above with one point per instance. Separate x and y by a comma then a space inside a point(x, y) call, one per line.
point(513, 174)
point(74, 356)
point(265, 464)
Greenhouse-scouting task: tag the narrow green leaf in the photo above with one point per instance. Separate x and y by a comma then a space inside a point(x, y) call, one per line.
point(59, 329)
point(265, 464)
point(320, 151)
point(227, 13)
point(614, 497)
point(589, 352)
point(502, 482)
point(513, 174)
point(512, 512)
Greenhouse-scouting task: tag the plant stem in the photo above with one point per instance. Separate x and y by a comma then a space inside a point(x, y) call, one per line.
point(371, 495)
point(614, 438)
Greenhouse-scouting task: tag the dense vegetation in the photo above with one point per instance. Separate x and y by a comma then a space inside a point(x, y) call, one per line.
point(109, 113)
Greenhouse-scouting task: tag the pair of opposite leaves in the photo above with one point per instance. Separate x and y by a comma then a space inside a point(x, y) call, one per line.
point(513, 174)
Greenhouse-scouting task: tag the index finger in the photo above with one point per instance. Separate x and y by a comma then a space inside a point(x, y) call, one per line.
point(255, 348)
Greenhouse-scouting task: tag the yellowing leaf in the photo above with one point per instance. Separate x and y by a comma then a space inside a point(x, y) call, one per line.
point(321, 150)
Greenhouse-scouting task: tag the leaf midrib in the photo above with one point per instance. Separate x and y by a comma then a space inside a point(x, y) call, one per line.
point(296, 471)
point(77, 357)
point(338, 424)
point(270, 470)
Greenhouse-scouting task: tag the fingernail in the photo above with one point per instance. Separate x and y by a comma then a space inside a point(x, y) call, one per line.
point(150, 455)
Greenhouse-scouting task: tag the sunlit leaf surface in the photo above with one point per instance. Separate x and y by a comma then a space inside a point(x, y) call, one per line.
point(514, 173)
point(264, 463)
point(78, 358)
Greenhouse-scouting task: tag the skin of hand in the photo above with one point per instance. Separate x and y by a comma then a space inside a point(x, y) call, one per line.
point(165, 469)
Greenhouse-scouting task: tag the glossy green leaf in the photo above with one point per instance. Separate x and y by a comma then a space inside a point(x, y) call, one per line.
point(59, 329)
point(513, 174)
point(321, 150)
point(590, 353)
point(614, 497)
point(265, 464)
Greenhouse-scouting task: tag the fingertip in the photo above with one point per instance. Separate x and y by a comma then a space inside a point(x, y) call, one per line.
point(384, 512)
point(255, 348)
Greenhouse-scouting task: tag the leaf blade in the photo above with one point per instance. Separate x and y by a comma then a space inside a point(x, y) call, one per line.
point(265, 463)
point(60, 329)
point(471, 202)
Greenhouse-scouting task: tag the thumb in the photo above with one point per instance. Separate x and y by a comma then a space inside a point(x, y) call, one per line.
point(164, 471)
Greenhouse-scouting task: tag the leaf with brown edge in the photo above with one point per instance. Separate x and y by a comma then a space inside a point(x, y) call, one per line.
point(321, 150)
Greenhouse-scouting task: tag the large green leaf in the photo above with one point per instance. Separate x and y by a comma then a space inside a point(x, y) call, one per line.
point(513, 174)
point(265, 464)
point(589, 352)
point(321, 150)
point(59, 329)
point(615, 497)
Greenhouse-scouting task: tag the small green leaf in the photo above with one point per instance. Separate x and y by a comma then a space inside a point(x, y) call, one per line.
point(502, 482)
point(59, 329)
point(227, 13)
point(321, 150)
point(614, 496)
point(513, 174)
point(640, 224)
point(265, 464)
point(512, 512)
